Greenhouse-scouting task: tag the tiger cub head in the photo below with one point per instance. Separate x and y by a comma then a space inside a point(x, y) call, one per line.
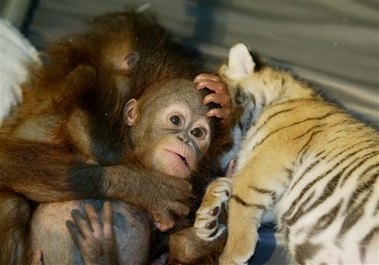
point(248, 79)
point(242, 76)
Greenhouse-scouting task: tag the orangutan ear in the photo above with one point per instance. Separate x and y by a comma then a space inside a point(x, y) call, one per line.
point(129, 61)
point(131, 112)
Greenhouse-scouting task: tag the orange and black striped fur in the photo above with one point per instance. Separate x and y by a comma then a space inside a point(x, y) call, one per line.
point(306, 161)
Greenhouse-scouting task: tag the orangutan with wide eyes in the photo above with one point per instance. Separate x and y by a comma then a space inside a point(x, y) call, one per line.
point(169, 132)
point(75, 135)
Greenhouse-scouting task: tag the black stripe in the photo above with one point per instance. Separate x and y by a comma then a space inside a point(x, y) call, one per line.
point(330, 170)
point(272, 116)
point(371, 167)
point(296, 100)
point(305, 251)
point(362, 188)
point(300, 211)
point(288, 102)
point(278, 113)
point(362, 161)
point(239, 200)
point(356, 125)
point(305, 190)
point(289, 174)
point(351, 219)
point(260, 190)
point(365, 241)
point(325, 220)
point(343, 153)
point(308, 131)
point(253, 99)
point(245, 204)
point(306, 146)
point(264, 99)
point(329, 188)
point(296, 123)
point(333, 183)
point(310, 185)
point(370, 235)
point(309, 168)
point(271, 193)
point(328, 191)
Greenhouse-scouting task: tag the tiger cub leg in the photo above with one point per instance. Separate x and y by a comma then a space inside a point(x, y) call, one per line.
point(249, 201)
point(203, 242)
point(207, 225)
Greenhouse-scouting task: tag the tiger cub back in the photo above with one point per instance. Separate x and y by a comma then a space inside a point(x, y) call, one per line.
point(305, 160)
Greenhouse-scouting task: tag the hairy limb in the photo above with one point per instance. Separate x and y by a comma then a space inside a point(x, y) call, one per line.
point(163, 196)
point(59, 175)
point(94, 237)
point(42, 172)
point(14, 219)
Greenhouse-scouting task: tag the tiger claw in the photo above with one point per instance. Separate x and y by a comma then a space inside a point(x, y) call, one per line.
point(207, 225)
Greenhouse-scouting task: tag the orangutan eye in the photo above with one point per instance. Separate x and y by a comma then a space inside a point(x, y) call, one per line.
point(197, 132)
point(176, 120)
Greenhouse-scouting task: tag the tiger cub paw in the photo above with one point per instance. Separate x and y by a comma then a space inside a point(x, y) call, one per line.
point(213, 207)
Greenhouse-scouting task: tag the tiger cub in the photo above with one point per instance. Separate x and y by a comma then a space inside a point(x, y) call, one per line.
point(305, 161)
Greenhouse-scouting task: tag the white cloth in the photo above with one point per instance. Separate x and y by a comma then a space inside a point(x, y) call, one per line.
point(15, 51)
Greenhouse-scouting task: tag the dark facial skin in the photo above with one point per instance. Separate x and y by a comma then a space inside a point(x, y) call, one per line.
point(177, 125)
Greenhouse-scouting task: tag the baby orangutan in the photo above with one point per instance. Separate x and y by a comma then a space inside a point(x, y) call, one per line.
point(169, 132)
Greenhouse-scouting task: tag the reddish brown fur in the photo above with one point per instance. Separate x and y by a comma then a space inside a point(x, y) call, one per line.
point(66, 141)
